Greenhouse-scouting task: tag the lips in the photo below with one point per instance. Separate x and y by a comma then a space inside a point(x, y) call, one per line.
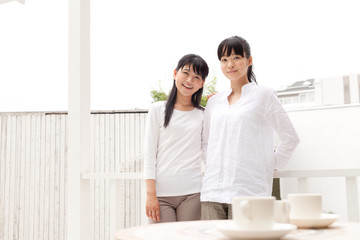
point(233, 71)
point(186, 86)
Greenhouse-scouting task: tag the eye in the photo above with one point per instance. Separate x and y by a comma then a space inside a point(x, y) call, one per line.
point(223, 60)
point(236, 57)
point(197, 77)
point(186, 73)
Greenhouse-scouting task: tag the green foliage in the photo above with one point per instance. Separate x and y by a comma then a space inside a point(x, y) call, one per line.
point(158, 95)
point(209, 88)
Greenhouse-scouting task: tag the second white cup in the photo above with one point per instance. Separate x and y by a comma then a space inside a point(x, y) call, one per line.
point(253, 213)
point(305, 205)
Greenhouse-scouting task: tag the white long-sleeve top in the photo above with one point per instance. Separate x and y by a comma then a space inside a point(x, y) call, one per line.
point(238, 143)
point(173, 154)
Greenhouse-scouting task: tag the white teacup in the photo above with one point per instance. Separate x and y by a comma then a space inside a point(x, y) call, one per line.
point(253, 213)
point(282, 211)
point(305, 205)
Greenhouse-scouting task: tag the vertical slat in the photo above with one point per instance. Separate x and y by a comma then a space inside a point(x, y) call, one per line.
point(56, 159)
point(112, 208)
point(66, 140)
point(16, 164)
point(107, 143)
point(42, 172)
point(133, 163)
point(352, 199)
point(22, 189)
point(117, 142)
point(6, 177)
point(143, 196)
point(97, 186)
point(61, 147)
point(117, 184)
point(111, 201)
point(101, 169)
point(112, 187)
point(27, 176)
point(11, 192)
point(13, 218)
point(2, 173)
point(47, 178)
point(127, 169)
point(92, 182)
point(52, 176)
point(122, 187)
point(136, 169)
point(32, 177)
point(37, 164)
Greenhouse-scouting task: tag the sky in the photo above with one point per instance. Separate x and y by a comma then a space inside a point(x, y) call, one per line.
point(135, 46)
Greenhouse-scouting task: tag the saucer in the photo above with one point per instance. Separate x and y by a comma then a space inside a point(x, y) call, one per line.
point(322, 222)
point(231, 230)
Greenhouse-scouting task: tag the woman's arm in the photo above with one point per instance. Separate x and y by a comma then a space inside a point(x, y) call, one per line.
point(152, 132)
point(152, 203)
point(283, 126)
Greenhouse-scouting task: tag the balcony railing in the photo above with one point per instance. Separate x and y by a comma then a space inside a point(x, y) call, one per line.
point(350, 176)
point(302, 176)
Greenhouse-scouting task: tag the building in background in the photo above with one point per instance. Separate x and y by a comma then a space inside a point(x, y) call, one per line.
point(321, 92)
point(326, 115)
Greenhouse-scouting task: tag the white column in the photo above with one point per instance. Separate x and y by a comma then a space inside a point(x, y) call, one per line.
point(78, 120)
point(302, 184)
point(352, 199)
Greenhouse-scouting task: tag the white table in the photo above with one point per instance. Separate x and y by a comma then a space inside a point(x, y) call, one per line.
point(206, 230)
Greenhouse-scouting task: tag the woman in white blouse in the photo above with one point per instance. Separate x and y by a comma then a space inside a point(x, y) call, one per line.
point(238, 135)
point(172, 164)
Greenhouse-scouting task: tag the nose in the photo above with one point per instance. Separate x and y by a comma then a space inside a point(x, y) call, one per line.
point(189, 79)
point(230, 64)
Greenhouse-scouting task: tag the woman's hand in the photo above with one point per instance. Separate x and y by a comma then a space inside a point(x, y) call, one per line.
point(152, 202)
point(210, 95)
point(152, 207)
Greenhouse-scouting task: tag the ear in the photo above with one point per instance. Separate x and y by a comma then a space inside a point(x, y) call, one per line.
point(175, 72)
point(250, 61)
point(202, 84)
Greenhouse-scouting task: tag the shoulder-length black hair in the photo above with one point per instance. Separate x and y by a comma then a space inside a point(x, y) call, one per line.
point(240, 47)
point(201, 68)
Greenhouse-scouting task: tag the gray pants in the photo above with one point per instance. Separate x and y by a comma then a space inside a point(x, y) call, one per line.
point(179, 208)
point(215, 211)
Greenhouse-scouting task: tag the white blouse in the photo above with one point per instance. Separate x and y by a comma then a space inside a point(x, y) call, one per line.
point(173, 154)
point(238, 144)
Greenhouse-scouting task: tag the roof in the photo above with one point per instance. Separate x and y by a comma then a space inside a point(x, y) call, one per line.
point(299, 86)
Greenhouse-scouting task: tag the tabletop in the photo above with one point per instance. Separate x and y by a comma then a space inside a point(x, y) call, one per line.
point(198, 230)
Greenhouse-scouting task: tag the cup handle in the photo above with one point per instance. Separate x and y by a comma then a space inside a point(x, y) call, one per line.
point(245, 210)
point(286, 210)
point(286, 206)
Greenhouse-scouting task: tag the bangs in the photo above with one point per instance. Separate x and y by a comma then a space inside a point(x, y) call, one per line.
point(198, 66)
point(228, 45)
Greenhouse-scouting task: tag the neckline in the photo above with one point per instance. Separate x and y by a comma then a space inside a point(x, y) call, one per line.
point(184, 110)
point(244, 89)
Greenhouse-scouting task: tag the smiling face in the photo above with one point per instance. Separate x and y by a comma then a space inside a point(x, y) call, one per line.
point(187, 81)
point(235, 66)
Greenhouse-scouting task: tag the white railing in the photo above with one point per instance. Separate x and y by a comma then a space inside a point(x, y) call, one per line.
point(302, 176)
point(350, 175)
point(33, 175)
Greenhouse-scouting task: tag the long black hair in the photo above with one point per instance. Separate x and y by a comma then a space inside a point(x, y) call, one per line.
point(201, 68)
point(240, 47)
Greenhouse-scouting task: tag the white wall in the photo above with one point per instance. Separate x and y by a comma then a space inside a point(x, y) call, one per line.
point(332, 91)
point(354, 88)
point(330, 139)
